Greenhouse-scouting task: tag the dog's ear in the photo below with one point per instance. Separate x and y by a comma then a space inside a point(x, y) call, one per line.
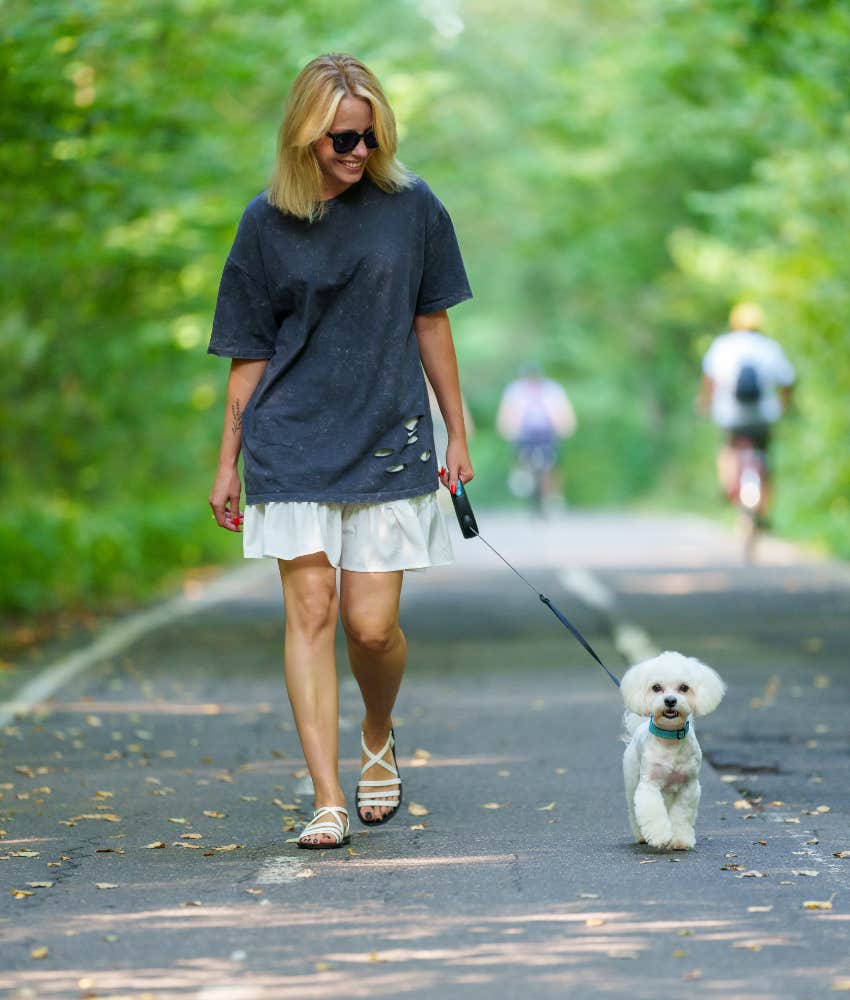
point(709, 688)
point(632, 688)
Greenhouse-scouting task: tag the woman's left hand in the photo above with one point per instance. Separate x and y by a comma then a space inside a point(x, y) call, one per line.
point(458, 466)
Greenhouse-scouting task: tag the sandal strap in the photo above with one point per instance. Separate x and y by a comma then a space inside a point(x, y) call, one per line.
point(338, 825)
point(375, 758)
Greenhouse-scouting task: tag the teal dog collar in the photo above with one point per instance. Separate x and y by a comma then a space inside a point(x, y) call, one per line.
point(669, 734)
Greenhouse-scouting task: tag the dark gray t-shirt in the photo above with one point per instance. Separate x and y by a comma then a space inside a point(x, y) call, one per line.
point(341, 411)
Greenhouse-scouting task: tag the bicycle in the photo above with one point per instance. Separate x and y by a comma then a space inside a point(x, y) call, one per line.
point(749, 492)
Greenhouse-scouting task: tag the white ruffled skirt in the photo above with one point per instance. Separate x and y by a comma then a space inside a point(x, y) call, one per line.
point(407, 534)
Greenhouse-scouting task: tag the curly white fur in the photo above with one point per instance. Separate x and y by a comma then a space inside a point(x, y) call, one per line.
point(662, 775)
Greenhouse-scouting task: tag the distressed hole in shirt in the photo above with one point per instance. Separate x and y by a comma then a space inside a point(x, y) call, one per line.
point(412, 439)
point(394, 468)
point(425, 456)
point(383, 452)
point(410, 425)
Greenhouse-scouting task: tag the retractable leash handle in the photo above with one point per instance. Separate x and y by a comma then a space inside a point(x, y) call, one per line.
point(463, 509)
point(469, 529)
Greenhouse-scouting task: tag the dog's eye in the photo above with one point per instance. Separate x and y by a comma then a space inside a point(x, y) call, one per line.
point(684, 687)
point(656, 688)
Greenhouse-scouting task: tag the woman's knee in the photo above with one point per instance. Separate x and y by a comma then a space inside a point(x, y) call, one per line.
point(313, 612)
point(373, 635)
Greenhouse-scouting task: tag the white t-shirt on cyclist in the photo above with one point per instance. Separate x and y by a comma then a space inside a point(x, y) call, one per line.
point(722, 364)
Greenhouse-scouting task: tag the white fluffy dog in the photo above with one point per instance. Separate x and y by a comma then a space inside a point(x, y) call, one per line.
point(662, 760)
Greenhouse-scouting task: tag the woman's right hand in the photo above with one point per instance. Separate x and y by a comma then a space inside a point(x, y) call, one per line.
point(224, 498)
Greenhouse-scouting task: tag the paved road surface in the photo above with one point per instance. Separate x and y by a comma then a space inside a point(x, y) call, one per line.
point(519, 880)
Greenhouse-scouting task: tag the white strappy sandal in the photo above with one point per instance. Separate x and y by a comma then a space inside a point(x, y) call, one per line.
point(337, 827)
point(376, 791)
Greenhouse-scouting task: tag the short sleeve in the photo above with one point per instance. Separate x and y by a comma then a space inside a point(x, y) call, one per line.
point(783, 370)
point(444, 282)
point(244, 324)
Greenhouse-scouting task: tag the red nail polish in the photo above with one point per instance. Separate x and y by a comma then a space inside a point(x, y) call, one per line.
point(454, 490)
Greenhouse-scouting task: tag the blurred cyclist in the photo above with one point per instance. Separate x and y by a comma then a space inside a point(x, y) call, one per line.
point(746, 385)
point(535, 416)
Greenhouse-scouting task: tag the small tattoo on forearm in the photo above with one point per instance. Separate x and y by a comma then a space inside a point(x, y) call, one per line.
point(236, 410)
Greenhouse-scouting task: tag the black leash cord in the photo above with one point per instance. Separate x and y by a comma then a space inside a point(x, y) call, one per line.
point(562, 618)
point(469, 529)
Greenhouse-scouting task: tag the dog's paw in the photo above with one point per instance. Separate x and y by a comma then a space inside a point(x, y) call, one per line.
point(658, 835)
point(683, 841)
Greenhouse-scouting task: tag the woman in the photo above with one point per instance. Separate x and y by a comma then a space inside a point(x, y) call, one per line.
point(332, 300)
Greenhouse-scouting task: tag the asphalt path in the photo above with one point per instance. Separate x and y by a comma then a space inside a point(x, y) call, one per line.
point(509, 871)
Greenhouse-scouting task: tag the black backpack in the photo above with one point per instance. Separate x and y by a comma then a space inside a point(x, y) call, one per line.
point(748, 384)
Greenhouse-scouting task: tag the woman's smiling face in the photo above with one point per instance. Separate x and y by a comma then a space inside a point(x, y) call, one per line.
point(341, 170)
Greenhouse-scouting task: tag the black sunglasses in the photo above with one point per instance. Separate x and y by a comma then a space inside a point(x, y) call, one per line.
point(344, 142)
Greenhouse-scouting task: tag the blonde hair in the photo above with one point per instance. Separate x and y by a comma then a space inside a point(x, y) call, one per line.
point(746, 316)
point(296, 183)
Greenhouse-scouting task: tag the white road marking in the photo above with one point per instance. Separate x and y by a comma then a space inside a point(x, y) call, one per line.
point(119, 636)
point(631, 641)
point(278, 870)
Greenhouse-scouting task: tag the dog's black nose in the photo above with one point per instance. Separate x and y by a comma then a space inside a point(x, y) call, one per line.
point(670, 701)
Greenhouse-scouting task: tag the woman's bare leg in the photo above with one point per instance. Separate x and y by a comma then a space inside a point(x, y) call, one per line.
point(312, 606)
point(377, 651)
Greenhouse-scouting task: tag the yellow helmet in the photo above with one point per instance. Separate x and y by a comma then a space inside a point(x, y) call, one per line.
point(746, 316)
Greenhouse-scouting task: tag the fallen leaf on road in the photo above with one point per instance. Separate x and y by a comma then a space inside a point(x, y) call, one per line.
point(752, 874)
point(21, 893)
point(156, 843)
point(106, 885)
point(39, 952)
point(743, 804)
point(190, 847)
point(418, 826)
point(748, 945)
point(588, 895)
point(759, 909)
point(822, 809)
point(548, 808)
point(177, 819)
point(819, 904)
point(226, 847)
point(25, 854)
point(255, 892)
point(40, 885)
point(804, 871)
point(192, 902)
point(305, 873)
point(492, 805)
point(594, 922)
point(281, 805)
point(214, 815)
point(109, 817)
point(689, 977)
point(417, 810)
point(791, 819)
point(191, 836)
point(841, 854)
point(648, 861)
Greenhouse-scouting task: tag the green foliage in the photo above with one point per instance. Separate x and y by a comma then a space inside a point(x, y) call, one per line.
point(619, 173)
